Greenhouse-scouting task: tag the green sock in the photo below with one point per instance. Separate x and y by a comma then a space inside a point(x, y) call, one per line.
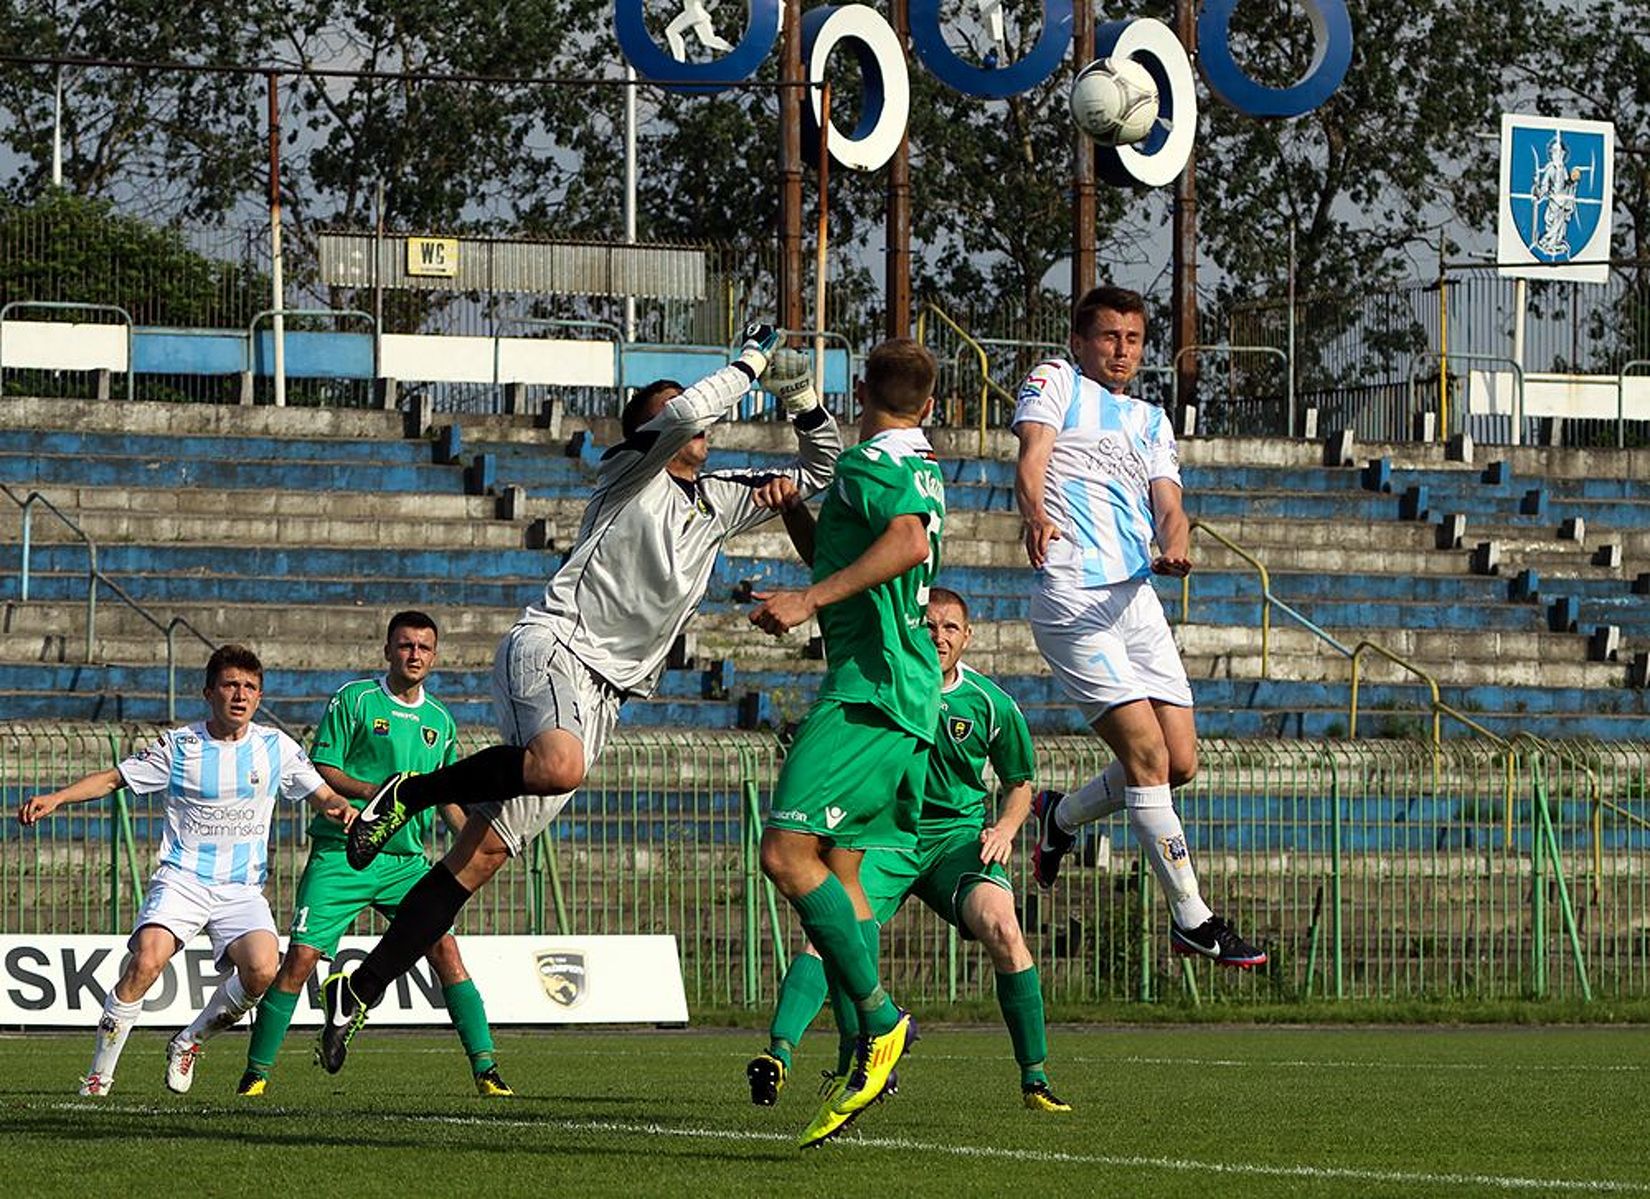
point(269, 1028)
point(469, 1017)
point(828, 916)
point(1021, 998)
point(847, 1026)
point(801, 995)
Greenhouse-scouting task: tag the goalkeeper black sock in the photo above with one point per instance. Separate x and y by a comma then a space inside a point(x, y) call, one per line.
point(494, 774)
point(424, 915)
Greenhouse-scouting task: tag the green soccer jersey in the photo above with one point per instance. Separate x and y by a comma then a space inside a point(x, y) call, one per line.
point(369, 735)
point(979, 723)
point(877, 648)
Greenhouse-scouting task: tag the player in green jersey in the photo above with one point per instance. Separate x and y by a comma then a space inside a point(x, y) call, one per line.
point(853, 778)
point(372, 729)
point(958, 867)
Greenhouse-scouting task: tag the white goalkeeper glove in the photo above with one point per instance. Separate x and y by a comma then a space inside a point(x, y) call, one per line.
point(790, 377)
point(761, 340)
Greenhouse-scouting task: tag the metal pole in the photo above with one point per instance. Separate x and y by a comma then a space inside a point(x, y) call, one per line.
point(790, 169)
point(822, 236)
point(1521, 302)
point(1289, 367)
point(277, 286)
point(1084, 203)
point(1185, 235)
point(1335, 930)
point(630, 190)
point(897, 212)
point(57, 131)
point(1538, 895)
point(1443, 341)
point(377, 267)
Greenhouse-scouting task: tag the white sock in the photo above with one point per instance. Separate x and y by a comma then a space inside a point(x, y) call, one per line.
point(1094, 800)
point(228, 1004)
point(1157, 828)
point(112, 1031)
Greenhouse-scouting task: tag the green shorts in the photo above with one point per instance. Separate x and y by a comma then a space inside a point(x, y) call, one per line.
point(852, 778)
point(940, 871)
point(331, 894)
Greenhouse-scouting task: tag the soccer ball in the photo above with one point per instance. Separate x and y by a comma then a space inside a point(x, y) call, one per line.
point(1114, 101)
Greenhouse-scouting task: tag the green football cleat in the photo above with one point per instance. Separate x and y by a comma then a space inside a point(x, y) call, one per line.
point(1038, 1097)
point(383, 816)
point(490, 1085)
point(766, 1074)
point(252, 1084)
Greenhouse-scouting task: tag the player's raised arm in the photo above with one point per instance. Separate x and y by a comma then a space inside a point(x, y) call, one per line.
point(93, 786)
point(645, 452)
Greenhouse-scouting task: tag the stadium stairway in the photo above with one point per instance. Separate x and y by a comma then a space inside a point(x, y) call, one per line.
point(298, 531)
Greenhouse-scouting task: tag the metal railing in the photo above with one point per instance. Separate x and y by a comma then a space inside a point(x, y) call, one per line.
point(987, 383)
point(70, 305)
point(94, 576)
point(1232, 352)
point(1621, 399)
point(1371, 870)
point(1443, 359)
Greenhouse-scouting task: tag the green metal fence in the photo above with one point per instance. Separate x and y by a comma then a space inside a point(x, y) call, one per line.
point(1369, 869)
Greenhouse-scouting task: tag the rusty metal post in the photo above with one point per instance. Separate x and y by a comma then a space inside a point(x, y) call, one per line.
point(1185, 237)
point(1084, 205)
point(897, 214)
point(791, 100)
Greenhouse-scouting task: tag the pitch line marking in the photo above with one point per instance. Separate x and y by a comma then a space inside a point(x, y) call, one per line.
point(1594, 1186)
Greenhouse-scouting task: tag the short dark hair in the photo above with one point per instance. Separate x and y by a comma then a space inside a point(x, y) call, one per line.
point(410, 619)
point(899, 376)
point(233, 657)
point(947, 596)
point(1112, 299)
point(635, 415)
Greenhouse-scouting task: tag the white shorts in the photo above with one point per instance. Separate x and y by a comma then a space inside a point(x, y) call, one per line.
point(1109, 646)
point(538, 685)
point(183, 905)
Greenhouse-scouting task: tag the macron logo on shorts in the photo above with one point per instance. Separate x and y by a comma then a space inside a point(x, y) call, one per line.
point(833, 816)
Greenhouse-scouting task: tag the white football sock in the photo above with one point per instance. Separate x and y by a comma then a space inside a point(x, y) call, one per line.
point(112, 1031)
point(228, 1004)
point(1157, 828)
point(1094, 800)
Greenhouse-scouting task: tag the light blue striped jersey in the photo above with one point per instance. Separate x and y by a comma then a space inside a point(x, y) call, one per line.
point(1108, 448)
point(219, 797)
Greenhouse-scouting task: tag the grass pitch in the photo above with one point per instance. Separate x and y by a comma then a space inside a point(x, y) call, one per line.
point(1227, 1110)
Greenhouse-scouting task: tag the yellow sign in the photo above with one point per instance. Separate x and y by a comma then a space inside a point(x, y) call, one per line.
point(433, 256)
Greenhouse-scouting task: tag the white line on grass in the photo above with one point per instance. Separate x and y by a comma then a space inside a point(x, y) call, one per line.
point(1504, 1182)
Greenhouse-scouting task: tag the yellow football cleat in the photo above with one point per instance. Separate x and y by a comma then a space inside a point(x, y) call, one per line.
point(489, 1085)
point(1039, 1098)
point(874, 1061)
point(252, 1083)
point(766, 1075)
point(827, 1122)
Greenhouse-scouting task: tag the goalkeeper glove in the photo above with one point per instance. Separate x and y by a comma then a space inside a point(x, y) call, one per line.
point(761, 340)
point(791, 379)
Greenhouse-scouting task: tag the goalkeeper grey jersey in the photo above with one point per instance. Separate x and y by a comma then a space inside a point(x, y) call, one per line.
point(648, 542)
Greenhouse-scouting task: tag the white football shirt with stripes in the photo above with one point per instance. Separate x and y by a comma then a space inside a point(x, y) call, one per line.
point(1108, 449)
point(219, 797)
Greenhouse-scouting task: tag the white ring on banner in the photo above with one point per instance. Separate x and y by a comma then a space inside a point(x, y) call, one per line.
point(887, 85)
point(1145, 38)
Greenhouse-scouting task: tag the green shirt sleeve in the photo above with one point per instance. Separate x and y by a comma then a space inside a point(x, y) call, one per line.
point(1010, 751)
point(335, 732)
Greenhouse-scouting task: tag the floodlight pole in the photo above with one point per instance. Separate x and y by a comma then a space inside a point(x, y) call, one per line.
point(276, 283)
point(1084, 204)
point(897, 211)
point(790, 168)
point(1184, 299)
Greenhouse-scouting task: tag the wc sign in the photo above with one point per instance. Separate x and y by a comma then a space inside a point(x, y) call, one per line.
point(433, 257)
point(700, 58)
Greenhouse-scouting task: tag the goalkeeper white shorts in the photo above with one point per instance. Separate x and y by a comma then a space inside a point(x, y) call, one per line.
point(184, 905)
point(1109, 646)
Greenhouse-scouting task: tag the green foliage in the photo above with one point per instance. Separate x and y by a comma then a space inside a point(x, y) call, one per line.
point(67, 247)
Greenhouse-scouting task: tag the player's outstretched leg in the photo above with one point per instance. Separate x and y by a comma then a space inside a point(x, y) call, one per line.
point(801, 994)
point(113, 1028)
point(493, 775)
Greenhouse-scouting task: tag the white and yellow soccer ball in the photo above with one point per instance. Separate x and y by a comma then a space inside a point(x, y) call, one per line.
point(1114, 101)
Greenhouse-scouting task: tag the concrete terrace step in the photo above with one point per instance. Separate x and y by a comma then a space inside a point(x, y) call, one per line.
point(108, 528)
point(365, 452)
point(139, 471)
point(342, 505)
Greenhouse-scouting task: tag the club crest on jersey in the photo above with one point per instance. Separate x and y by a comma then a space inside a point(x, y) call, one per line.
point(429, 737)
point(1174, 850)
point(562, 974)
point(959, 727)
point(380, 726)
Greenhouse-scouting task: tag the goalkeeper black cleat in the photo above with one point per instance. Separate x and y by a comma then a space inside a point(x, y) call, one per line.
point(342, 1015)
point(383, 816)
point(766, 1074)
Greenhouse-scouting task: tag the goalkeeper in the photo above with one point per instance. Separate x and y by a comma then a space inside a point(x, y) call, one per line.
point(596, 639)
point(957, 868)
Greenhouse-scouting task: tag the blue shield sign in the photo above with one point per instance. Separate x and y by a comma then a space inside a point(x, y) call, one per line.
point(1556, 183)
